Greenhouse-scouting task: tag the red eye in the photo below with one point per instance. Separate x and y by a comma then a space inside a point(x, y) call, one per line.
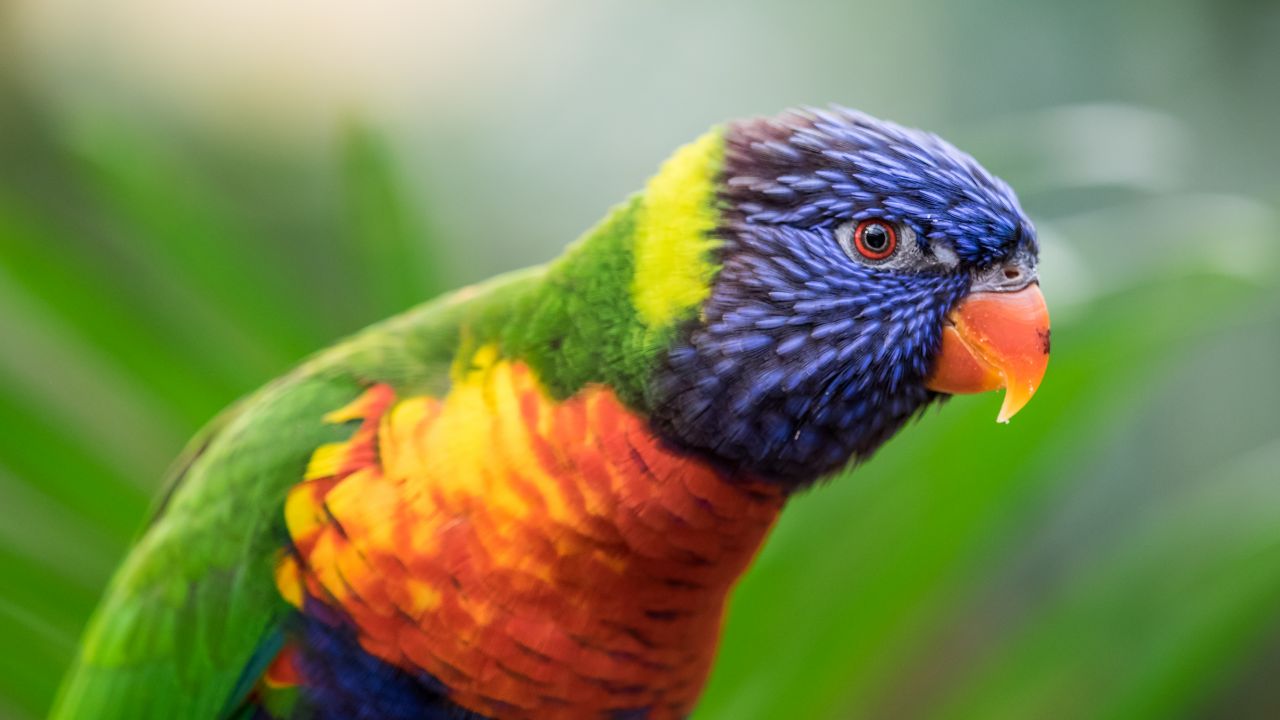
point(875, 239)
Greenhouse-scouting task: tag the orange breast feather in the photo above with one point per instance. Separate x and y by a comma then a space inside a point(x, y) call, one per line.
point(540, 558)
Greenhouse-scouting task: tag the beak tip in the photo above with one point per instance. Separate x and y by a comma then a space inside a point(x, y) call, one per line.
point(1015, 401)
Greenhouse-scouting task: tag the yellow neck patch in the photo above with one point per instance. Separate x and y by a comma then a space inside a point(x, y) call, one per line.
point(673, 243)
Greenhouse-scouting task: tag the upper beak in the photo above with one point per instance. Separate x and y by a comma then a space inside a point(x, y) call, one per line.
point(995, 339)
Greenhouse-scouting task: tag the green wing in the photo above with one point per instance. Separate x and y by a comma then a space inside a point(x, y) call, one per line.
point(185, 614)
point(193, 616)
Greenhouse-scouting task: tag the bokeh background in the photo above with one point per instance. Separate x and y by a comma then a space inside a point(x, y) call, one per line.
point(196, 194)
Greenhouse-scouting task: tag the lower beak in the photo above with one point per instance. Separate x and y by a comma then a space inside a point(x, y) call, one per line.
point(995, 340)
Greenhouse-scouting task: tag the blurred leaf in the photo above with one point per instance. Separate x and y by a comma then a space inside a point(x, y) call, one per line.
point(89, 397)
point(54, 601)
point(397, 261)
point(85, 287)
point(29, 674)
point(42, 608)
point(199, 246)
point(1151, 630)
point(63, 469)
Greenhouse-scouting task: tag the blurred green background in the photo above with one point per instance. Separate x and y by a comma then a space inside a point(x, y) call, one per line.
point(195, 194)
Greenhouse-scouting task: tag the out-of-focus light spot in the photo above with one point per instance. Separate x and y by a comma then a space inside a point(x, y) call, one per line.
point(1113, 145)
point(1198, 231)
point(293, 64)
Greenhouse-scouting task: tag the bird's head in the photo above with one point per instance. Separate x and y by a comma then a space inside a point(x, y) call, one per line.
point(859, 271)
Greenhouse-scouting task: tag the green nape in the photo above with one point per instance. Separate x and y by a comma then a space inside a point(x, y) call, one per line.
point(605, 310)
point(602, 312)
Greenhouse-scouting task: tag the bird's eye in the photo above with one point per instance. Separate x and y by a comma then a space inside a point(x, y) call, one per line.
point(875, 239)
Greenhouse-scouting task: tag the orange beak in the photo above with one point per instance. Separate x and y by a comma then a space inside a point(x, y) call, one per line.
point(995, 340)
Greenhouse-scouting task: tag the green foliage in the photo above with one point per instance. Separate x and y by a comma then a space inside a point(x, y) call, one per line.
point(1094, 559)
point(386, 242)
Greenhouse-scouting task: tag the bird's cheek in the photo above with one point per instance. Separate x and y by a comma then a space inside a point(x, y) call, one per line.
point(995, 340)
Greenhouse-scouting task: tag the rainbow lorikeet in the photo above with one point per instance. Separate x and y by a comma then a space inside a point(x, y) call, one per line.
point(530, 498)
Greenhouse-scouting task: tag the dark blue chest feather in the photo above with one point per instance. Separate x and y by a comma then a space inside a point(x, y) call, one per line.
point(343, 682)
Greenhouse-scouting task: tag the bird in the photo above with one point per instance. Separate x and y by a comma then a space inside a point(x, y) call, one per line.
point(532, 497)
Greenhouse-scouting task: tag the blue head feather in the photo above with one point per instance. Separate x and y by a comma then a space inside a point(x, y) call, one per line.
point(820, 168)
point(805, 359)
